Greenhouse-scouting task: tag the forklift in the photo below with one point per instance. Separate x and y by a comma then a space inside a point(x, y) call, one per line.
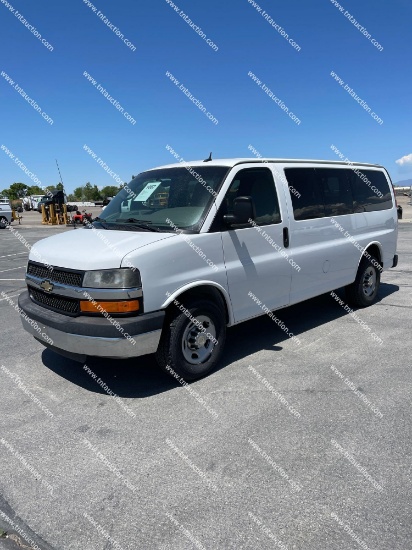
point(54, 208)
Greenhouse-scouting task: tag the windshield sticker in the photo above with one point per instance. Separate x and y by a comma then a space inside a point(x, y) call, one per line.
point(148, 190)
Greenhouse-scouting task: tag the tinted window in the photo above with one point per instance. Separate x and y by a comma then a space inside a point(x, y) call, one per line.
point(310, 203)
point(256, 183)
point(337, 192)
point(370, 190)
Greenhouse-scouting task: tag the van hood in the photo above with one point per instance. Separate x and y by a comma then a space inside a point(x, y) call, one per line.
point(89, 249)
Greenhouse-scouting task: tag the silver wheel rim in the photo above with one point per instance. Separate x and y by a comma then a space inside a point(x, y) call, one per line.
point(198, 344)
point(3, 222)
point(369, 282)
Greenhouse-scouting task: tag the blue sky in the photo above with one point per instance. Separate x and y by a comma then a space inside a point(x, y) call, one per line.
point(219, 79)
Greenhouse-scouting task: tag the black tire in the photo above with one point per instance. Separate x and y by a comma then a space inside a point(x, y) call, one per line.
point(363, 291)
point(3, 222)
point(184, 347)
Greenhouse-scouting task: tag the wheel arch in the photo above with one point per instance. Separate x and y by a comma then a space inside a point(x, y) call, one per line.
point(374, 248)
point(203, 289)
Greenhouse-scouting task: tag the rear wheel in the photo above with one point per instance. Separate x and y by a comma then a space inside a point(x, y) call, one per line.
point(3, 222)
point(363, 291)
point(192, 341)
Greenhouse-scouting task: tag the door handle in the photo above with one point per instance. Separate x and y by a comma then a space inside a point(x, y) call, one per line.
point(285, 237)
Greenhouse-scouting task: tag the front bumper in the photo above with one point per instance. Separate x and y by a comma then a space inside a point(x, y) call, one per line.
point(92, 336)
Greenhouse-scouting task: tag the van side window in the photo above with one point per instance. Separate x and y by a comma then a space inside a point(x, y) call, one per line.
point(370, 190)
point(337, 192)
point(256, 183)
point(310, 203)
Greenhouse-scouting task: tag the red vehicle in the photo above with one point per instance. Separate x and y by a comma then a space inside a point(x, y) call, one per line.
point(82, 217)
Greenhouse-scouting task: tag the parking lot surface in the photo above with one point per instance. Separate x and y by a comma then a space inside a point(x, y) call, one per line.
point(222, 463)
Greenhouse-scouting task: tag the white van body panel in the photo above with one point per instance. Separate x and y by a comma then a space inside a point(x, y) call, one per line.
point(90, 249)
point(175, 264)
point(253, 265)
point(380, 226)
point(328, 259)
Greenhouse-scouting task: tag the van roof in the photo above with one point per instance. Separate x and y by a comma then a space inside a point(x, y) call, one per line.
point(230, 163)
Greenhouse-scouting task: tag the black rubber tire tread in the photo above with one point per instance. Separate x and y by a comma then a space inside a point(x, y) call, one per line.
point(354, 293)
point(169, 350)
point(5, 222)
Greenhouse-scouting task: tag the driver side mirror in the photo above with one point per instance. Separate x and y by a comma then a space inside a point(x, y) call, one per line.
point(243, 210)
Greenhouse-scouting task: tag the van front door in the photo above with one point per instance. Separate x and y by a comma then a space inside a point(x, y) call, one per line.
point(259, 275)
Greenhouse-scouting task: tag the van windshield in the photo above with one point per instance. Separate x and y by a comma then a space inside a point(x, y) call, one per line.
point(165, 199)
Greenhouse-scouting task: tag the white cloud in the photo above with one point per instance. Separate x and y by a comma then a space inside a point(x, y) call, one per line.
point(405, 161)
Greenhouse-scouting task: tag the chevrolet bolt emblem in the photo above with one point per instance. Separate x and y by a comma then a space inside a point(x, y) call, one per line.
point(47, 286)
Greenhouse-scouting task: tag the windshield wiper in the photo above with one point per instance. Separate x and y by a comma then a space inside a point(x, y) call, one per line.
point(140, 223)
point(101, 222)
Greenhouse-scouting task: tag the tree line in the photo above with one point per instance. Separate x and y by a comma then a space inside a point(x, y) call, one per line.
point(87, 192)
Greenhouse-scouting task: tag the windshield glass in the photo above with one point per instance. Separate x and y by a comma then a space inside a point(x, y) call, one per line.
point(167, 198)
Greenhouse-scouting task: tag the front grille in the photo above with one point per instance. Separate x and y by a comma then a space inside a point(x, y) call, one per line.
point(57, 303)
point(58, 275)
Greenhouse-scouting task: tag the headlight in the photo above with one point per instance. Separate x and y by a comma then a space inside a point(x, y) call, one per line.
point(112, 278)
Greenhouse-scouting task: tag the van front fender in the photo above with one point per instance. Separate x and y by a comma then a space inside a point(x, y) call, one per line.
point(202, 284)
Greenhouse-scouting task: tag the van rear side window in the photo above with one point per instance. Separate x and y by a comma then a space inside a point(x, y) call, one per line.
point(370, 190)
point(310, 203)
point(337, 191)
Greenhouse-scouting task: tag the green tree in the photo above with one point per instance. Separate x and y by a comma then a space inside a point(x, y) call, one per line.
point(96, 195)
point(91, 192)
point(78, 194)
point(109, 191)
point(88, 191)
point(16, 191)
point(35, 190)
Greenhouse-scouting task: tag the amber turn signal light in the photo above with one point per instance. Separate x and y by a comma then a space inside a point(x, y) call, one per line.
point(125, 306)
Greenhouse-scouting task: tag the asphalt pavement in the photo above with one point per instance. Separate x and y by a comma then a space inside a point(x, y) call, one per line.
point(300, 446)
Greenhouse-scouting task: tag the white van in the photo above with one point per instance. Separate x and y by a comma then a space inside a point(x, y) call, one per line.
point(204, 246)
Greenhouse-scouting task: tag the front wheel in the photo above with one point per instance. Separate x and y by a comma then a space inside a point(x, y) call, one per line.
point(363, 291)
point(192, 339)
point(3, 222)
